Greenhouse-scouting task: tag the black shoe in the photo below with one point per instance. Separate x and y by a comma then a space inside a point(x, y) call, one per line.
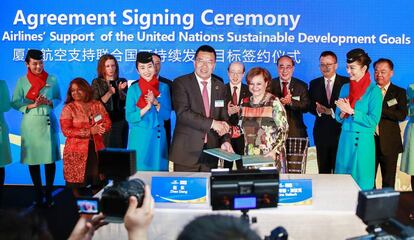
point(38, 204)
point(49, 200)
point(39, 198)
point(49, 204)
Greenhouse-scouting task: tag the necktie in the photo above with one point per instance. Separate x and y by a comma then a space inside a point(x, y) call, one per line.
point(328, 90)
point(383, 91)
point(206, 101)
point(284, 90)
point(234, 100)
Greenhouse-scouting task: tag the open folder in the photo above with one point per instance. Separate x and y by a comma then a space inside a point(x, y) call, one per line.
point(248, 160)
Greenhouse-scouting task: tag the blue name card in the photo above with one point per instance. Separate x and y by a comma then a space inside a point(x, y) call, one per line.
point(179, 189)
point(295, 192)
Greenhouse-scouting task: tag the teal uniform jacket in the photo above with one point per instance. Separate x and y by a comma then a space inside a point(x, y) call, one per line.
point(5, 156)
point(147, 133)
point(39, 128)
point(356, 149)
point(407, 158)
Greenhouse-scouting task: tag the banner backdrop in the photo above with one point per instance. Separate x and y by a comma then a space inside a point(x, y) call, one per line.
point(74, 34)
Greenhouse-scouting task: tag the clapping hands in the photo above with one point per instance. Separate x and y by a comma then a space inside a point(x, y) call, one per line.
point(122, 86)
point(150, 98)
point(286, 100)
point(344, 105)
point(97, 128)
point(232, 109)
point(40, 100)
point(322, 109)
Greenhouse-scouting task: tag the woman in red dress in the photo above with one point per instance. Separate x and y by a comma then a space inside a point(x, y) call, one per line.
point(84, 121)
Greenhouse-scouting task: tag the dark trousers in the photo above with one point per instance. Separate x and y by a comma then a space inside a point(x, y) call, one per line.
point(2, 176)
point(167, 126)
point(388, 165)
point(412, 184)
point(118, 136)
point(326, 155)
point(50, 170)
point(238, 147)
point(205, 163)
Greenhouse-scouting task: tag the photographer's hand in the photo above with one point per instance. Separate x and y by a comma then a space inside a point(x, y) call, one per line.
point(137, 220)
point(86, 226)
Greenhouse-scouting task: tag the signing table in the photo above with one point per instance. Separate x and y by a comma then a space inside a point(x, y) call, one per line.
point(330, 216)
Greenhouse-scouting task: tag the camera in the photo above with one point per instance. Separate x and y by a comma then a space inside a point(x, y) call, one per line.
point(244, 190)
point(88, 205)
point(377, 208)
point(114, 200)
point(118, 165)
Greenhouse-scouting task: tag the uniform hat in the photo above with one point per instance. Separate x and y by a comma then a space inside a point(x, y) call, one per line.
point(354, 55)
point(34, 54)
point(144, 57)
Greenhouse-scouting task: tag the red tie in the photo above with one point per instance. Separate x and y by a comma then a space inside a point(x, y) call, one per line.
point(285, 91)
point(234, 95)
point(206, 101)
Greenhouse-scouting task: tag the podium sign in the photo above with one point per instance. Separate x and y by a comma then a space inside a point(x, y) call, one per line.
point(179, 189)
point(295, 192)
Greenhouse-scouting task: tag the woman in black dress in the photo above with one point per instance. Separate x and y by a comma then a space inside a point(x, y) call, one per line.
point(110, 89)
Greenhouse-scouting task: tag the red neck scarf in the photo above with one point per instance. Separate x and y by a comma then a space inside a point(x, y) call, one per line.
point(145, 87)
point(37, 82)
point(357, 89)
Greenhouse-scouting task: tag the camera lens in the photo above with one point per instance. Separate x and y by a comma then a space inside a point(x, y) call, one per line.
point(115, 201)
point(137, 189)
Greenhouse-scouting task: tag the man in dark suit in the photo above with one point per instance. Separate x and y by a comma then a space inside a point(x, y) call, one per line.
point(199, 103)
point(323, 92)
point(293, 93)
point(236, 91)
point(388, 142)
point(157, 67)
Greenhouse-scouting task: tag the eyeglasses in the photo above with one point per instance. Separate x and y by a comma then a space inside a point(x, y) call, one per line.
point(202, 62)
point(287, 68)
point(236, 73)
point(328, 65)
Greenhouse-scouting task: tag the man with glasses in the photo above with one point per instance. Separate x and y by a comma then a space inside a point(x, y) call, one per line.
point(388, 142)
point(236, 92)
point(323, 93)
point(293, 93)
point(199, 102)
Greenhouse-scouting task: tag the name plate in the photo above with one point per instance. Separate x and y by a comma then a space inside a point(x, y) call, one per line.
point(295, 192)
point(179, 189)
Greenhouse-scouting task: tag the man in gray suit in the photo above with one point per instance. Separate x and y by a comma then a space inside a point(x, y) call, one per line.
point(199, 102)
